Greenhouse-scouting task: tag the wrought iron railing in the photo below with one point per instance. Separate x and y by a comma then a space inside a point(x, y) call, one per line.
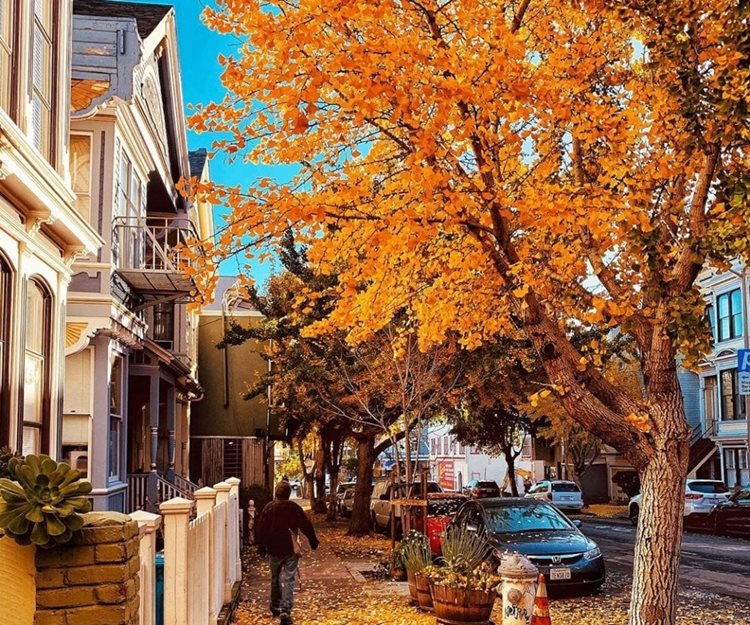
point(152, 243)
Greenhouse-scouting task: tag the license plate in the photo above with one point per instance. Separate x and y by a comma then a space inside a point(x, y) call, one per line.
point(559, 572)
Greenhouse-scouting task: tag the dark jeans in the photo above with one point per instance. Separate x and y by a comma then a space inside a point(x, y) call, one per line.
point(283, 579)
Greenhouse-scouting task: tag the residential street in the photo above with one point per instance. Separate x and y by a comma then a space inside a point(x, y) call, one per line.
point(344, 583)
point(712, 563)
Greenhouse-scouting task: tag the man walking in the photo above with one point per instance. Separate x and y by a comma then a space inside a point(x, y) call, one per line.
point(275, 536)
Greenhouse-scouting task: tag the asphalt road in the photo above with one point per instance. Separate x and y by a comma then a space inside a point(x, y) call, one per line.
point(714, 564)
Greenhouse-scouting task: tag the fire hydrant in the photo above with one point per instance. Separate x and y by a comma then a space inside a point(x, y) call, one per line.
point(518, 577)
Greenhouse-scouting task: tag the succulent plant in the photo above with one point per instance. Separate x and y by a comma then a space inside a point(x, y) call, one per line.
point(464, 549)
point(6, 454)
point(415, 554)
point(43, 502)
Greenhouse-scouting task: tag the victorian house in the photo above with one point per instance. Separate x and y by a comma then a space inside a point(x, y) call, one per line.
point(131, 355)
point(43, 229)
point(723, 407)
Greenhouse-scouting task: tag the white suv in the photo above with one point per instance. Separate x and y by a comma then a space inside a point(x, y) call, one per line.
point(700, 498)
point(562, 493)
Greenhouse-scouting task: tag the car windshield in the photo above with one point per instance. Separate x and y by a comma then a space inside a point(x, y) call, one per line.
point(525, 518)
point(486, 485)
point(565, 487)
point(708, 487)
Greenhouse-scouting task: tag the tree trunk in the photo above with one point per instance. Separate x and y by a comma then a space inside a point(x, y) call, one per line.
point(407, 453)
point(334, 479)
point(319, 500)
point(657, 546)
point(510, 460)
point(359, 524)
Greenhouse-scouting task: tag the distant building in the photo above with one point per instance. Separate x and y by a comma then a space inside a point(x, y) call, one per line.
point(454, 465)
point(229, 435)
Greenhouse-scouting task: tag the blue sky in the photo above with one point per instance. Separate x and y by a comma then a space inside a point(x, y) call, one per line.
point(199, 48)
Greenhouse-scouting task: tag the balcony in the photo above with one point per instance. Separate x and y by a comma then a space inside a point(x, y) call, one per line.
point(147, 254)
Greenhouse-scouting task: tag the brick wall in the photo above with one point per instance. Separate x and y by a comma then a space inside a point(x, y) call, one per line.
point(93, 580)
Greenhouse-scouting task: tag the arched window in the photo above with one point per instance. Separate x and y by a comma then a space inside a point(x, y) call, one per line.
point(6, 303)
point(36, 368)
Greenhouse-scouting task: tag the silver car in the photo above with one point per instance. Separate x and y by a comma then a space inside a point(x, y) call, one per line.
point(564, 494)
point(700, 498)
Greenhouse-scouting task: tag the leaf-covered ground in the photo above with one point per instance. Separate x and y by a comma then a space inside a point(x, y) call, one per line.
point(331, 594)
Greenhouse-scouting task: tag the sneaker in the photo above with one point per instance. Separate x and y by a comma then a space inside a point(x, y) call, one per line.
point(286, 619)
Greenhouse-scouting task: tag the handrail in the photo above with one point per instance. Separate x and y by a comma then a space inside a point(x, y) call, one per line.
point(700, 432)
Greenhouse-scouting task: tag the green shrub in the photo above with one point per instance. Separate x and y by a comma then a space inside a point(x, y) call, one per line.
point(43, 502)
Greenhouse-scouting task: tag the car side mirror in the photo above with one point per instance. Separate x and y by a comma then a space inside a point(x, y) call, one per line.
point(577, 523)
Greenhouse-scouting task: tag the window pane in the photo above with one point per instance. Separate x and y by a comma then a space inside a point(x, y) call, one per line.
point(727, 395)
point(32, 441)
point(35, 317)
point(80, 171)
point(736, 307)
point(33, 386)
point(115, 388)
point(114, 446)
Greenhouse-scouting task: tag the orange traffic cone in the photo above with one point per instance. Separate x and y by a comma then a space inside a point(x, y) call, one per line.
point(540, 615)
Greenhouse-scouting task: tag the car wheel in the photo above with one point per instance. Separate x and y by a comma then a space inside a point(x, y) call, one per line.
point(633, 513)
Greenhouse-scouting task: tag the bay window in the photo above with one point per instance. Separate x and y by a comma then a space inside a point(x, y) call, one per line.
point(36, 369)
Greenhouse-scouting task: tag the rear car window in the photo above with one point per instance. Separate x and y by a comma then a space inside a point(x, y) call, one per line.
point(486, 485)
point(565, 487)
point(440, 507)
point(708, 487)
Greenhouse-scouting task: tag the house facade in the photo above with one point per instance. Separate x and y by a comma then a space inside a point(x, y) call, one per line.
point(42, 230)
point(231, 435)
point(454, 465)
point(131, 354)
point(723, 410)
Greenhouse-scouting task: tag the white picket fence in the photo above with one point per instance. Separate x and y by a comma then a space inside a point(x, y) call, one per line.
point(201, 555)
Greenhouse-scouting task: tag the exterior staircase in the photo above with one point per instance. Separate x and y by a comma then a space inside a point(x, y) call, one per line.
point(701, 445)
point(147, 490)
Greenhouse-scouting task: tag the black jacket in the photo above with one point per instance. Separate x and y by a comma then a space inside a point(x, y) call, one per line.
point(272, 536)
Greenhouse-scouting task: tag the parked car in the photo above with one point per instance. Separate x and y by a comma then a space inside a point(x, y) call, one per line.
point(380, 503)
point(347, 502)
point(564, 494)
point(441, 508)
point(340, 491)
point(732, 517)
point(700, 498)
point(542, 533)
point(481, 488)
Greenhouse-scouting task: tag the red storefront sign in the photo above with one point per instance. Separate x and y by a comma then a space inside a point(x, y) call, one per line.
point(446, 474)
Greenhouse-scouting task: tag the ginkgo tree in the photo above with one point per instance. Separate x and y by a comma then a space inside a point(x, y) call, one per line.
point(505, 168)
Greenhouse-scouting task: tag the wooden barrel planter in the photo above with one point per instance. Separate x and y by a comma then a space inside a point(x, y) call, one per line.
point(412, 587)
point(424, 596)
point(455, 606)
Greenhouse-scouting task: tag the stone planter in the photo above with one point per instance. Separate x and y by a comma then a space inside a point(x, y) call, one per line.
point(424, 596)
point(454, 606)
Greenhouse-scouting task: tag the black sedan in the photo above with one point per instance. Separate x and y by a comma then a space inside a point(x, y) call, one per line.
point(732, 517)
point(477, 489)
point(543, 534)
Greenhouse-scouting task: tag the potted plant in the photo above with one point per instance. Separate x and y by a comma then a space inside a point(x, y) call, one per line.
point(415, 556)
point(42, 501)
point(463, 587)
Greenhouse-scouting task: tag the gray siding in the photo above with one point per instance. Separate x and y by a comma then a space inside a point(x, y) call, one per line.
point(691, 394)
